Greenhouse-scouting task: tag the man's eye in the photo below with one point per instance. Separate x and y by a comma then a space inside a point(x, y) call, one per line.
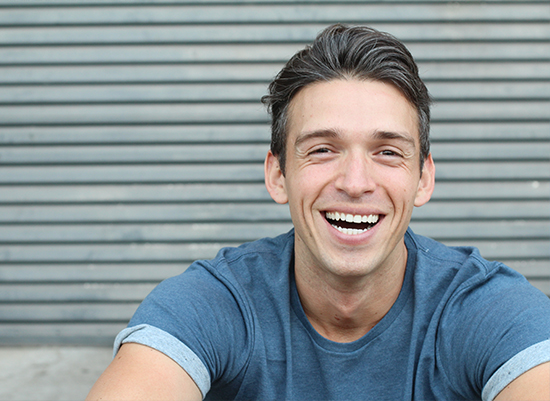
point(320, 150)
point(389, 153)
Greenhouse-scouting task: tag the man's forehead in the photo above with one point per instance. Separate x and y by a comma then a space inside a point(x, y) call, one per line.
point(318, 105)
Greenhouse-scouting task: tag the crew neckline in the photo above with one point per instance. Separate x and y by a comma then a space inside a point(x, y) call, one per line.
point(379, 328)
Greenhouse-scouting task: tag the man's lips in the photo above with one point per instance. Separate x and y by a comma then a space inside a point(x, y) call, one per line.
point(352, 224)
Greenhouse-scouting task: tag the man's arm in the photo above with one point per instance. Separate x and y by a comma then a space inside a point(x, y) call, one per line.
point(139, 372)
point(533, 385)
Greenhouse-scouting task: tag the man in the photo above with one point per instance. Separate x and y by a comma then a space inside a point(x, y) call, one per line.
point(351, 304)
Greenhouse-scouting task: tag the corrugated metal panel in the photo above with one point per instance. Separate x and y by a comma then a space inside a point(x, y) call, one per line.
point(132, 141)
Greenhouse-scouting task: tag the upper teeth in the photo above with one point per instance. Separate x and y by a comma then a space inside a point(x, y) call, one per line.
point(352, 218)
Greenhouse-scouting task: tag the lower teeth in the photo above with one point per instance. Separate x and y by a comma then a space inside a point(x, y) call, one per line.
point(351, 231)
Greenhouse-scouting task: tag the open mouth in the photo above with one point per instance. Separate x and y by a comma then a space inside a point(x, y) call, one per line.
point(352, 224)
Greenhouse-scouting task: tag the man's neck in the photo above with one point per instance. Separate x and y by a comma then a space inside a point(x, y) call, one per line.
point(343, 309)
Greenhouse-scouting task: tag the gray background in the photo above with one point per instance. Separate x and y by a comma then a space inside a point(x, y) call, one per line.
point(132, 140)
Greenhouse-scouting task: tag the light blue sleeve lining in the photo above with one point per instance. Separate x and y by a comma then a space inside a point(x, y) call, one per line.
point(170, 346)
point(515, 367)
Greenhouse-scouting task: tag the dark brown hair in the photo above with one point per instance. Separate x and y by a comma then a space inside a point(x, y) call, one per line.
point(341, 52)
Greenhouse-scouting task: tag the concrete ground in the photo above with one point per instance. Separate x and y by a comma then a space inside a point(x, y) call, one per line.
point(50, 373)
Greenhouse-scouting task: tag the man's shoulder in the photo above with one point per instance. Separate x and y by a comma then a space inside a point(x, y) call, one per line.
point(460, 268)
point(281, 245)
point(464, 280)
point(430, 252)
point(265, 260)
point(486, 309)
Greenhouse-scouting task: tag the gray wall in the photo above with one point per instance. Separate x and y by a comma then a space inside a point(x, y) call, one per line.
point(132, 141)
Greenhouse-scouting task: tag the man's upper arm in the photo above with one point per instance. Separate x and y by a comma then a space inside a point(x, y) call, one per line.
point(532, 385)
point(139, 372)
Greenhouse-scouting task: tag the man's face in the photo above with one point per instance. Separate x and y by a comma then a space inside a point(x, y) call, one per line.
point(352, 176)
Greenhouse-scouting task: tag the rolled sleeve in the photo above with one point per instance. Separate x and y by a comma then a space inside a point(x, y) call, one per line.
point(170, 346)
point(527, 359)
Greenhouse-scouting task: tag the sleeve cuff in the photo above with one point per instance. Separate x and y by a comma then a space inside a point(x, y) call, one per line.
point(515, 367)
point(170, 346)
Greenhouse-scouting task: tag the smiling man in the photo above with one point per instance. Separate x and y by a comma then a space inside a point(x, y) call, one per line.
point(351, 304)
point(352, 176)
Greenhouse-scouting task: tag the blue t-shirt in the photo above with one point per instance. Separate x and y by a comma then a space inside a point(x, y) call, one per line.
point(460, 327)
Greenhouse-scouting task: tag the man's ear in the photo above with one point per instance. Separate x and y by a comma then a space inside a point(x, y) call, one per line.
point(427, 182)
point(274, 179)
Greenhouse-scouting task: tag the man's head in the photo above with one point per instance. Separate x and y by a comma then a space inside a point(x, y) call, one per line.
point(346, 113)
point(341, 52)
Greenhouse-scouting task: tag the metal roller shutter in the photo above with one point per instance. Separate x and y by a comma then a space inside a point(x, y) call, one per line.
point(132, 140)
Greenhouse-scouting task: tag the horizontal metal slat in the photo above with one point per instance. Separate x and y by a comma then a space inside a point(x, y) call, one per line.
point(120, 3)
point(491, 110)
point(542, 285)
point(276, 13)
point(173, 53)
point(244, 153)
point(136, 134)
point(491, 190)
point(240, 192)
point(243, 212)
point(89, 334)
point(259, 53)
point(253, 113)
point(480, 51)
point(241, 173)
point(169, 233)
point(72, 312)
point(84, 292)
point(141, 73)
point(136, 114)
point(268, 214)
point(237, 192)
point(491, 151)
point(133, 174)
point(242, 133)
point(485, 230)
point(218, 92)
point(103, 272)
point(530, 268)
point(489, 131)
point(507, 210)
point(243, 92)
point(507, 249)
point(156, 272)
point(145, 53)
point(483, 70)
point(493, 171)
point(253, 72)
point(151, 233)
point(227, 153)
point(141, 272)
point(162, 252)
point(489, 90)
point(297, 32)
point(110, 253)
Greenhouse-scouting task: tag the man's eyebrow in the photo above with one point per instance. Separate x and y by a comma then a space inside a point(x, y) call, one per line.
point(390, 135)
point(333, 134)
point(324, 133)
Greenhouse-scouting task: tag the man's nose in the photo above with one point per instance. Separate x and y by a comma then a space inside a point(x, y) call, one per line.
point(356, 175)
